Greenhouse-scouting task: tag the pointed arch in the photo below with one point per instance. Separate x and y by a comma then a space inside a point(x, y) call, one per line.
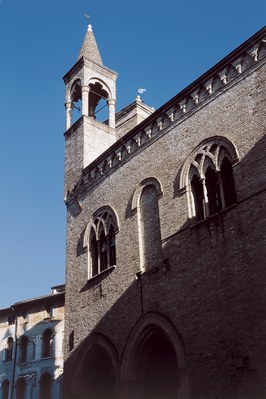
point(100, 239)
point(145, 202)
point(75, 90)
point(207, 177)
point(95, 80)
point(151, 331)
point(207, 147)
point(149, 181)
point(96, 367)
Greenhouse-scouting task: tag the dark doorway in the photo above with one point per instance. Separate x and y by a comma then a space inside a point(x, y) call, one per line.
point(21, 388)
point(158, 369)
point(98, 380)
point(46, 386)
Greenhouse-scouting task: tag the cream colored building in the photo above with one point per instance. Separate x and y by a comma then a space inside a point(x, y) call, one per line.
point(31, 347)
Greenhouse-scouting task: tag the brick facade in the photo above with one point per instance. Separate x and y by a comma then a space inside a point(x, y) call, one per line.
point(202, 297)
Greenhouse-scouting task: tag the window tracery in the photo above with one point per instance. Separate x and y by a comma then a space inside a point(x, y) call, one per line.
point(207, 177)
point(102, 241)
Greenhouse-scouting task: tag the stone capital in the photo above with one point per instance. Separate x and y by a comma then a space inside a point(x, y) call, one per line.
point(111, 101)
point(68, 105)
point(85, 89)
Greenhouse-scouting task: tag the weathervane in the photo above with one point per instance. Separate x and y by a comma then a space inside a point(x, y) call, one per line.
point(140, 91)
point(86, 15)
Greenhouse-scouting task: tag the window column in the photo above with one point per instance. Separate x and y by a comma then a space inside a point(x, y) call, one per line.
point(85, 100)
point(69, 109)
point(111, 108)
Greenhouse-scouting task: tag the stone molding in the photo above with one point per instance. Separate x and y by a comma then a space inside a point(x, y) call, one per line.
point(245, 59)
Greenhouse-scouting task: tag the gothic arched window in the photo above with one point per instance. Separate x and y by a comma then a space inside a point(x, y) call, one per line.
point(9, 348)
point(102, 242)
point(207, 176)
point(47, 343)
point(23, 349)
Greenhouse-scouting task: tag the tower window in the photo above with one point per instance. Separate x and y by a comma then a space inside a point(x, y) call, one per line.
point(102, 243)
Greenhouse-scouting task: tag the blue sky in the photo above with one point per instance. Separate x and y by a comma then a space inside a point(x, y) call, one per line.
point(160, 46)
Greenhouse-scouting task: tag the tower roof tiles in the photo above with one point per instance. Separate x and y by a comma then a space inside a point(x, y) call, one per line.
point(89, 48)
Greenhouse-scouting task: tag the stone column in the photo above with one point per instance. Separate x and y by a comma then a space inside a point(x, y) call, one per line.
point(85, 100)
point(69, 108)
point(111, 107)
point(206, 201)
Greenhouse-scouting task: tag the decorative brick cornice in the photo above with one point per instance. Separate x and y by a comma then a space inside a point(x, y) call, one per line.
point(250, 55)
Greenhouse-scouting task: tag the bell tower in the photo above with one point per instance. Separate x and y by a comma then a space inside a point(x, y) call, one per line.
point(87, 83)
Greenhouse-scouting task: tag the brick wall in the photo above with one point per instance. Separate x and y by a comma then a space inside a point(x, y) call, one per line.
point(211, 286)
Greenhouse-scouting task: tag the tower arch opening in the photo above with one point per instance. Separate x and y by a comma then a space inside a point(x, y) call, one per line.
point(98, 102)
point(76, 101)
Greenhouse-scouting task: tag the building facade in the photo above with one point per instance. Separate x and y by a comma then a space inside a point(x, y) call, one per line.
point(165, 263)
point(31, 348)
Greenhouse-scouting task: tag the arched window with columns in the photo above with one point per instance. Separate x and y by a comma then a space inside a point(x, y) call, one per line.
point(207, 177)
point(93, 100)
point(101, 243)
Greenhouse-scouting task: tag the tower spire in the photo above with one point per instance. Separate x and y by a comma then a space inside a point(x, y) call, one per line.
point(89, 48)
